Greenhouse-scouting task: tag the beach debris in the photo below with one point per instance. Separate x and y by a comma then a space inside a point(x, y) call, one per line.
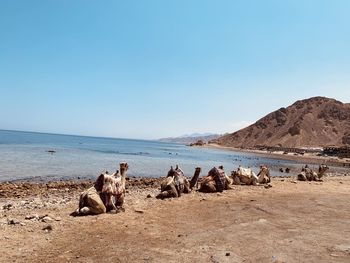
point(139, 211)
point(294, 182)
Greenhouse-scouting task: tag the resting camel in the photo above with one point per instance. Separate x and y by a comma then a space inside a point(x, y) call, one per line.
point(120, 185)
point(264, 175)
point(308, 175)
point(93, 201)
point(245, 176)
point(215, 181)
point(174, 184)
point(107, 193)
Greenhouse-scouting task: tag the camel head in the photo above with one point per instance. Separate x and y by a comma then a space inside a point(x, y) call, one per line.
point(123, 168)
point(264, 170)
point(323, 168)
point(106, 184)
point(171, 172)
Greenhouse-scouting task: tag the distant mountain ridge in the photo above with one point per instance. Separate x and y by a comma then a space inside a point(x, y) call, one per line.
point(191, 138)
point(313, 122)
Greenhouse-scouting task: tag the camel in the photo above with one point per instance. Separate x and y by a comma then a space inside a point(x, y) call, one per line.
point(107, 193)
point(307, 174)
point(174, 184)
point(120, 182)
point(244, 176)
point(264, 175)
point(93, 201)
point(215, 181)
point(194, 180)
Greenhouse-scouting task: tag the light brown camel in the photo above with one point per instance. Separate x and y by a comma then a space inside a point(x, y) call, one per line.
point(264, 175)
point(244, 176)
point(307, 174)
point(94, 200)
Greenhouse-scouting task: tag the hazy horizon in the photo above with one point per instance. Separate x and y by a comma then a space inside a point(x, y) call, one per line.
point(155, 69)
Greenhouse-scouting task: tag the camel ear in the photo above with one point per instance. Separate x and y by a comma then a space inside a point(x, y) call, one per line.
point(99, 182)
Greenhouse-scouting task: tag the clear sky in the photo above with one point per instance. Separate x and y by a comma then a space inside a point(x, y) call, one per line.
point(157, 68)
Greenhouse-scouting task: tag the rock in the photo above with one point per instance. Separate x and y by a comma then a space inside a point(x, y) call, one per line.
point(48, 228)
point(31, 217)
point(294, 182)
point(58, 218)
point(7, 206)
point(228, 254)
point(268, 186)
point(343, 248)
point(13, 222)
point(46, 219)
point(149, 196)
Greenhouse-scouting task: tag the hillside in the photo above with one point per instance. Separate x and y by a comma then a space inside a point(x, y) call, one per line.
point(192, 138)
point(314, 122)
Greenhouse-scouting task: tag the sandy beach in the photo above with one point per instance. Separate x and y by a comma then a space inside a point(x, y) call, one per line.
point(290, 222)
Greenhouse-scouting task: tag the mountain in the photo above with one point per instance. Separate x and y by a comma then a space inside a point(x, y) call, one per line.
point(314, 122)
point(191, 138)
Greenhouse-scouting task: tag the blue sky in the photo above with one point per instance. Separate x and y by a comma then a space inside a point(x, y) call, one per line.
point(150, 69)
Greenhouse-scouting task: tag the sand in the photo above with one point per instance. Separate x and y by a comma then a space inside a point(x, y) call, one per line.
point(290, 222)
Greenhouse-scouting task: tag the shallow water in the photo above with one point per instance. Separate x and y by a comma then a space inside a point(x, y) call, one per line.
point(23, 155)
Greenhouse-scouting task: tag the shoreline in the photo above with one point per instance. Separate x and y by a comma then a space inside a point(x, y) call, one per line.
point(307, 157)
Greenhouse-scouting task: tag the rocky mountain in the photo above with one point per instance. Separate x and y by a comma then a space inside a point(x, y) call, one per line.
point(192, 138)
point(314, 122)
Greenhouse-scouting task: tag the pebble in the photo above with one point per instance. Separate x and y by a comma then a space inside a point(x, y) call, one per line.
point(228, 254)
point(149, 196)
point(30, 217)
point(48, 228)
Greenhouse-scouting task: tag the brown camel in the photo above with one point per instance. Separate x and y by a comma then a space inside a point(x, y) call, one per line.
point(174, 184)
point(307, 174)
point(215, 181)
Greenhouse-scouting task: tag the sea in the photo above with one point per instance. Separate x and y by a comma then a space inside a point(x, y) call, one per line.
point(45, 157)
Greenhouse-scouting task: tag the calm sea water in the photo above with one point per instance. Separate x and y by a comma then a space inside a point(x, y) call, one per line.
point(23, 155)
